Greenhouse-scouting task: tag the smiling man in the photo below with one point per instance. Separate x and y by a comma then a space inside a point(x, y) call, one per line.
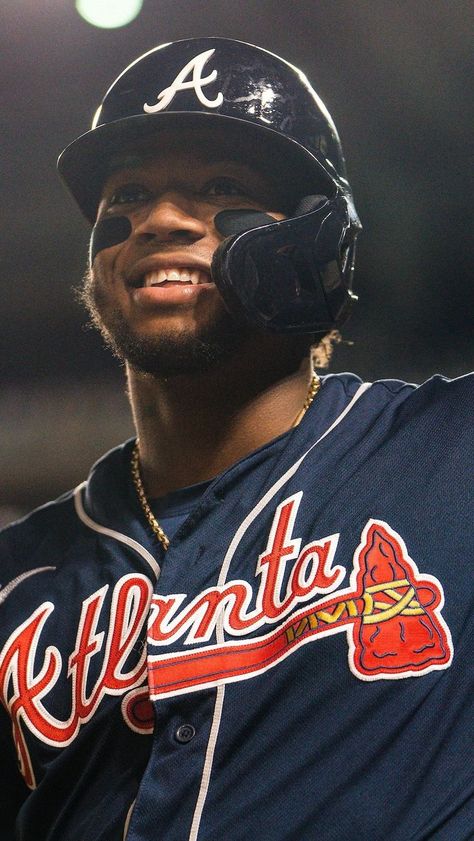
point(251, 621)
point(158, 290)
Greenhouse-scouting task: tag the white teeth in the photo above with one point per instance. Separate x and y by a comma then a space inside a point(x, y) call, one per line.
point(193, 276)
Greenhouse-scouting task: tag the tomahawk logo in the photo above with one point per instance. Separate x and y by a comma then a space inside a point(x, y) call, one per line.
point(390, 613)
point(197, 82)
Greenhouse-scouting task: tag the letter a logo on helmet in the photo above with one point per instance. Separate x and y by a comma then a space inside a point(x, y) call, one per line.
point(196, 65)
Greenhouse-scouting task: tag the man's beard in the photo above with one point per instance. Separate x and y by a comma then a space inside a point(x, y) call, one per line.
point(166, 354)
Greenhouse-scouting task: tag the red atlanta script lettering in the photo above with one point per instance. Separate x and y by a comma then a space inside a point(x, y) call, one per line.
point(311, 574)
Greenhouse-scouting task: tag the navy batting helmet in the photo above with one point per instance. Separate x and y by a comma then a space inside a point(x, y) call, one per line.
point(294, 275)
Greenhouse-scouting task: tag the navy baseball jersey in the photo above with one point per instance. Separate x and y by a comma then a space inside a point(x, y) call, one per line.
point(297, 666)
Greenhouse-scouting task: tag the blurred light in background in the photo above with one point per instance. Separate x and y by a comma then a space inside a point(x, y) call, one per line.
point(109, 14)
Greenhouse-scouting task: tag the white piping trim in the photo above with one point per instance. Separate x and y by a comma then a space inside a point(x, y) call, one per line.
point(206, 774)
point(211, 746)
point(127, 821)
point(122, 538)
point(5, 591)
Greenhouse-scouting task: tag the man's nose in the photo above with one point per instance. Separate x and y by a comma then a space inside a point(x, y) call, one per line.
point(170, 216)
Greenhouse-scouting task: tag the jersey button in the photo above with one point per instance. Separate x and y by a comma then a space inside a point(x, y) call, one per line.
point(184, 733)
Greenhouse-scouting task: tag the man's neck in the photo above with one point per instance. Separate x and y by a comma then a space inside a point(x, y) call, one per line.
point(192, 427)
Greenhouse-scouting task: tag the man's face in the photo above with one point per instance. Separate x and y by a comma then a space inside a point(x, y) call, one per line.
point(152, 295)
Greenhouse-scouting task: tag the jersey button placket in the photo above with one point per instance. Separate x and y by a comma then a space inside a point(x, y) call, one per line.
point(184, 733)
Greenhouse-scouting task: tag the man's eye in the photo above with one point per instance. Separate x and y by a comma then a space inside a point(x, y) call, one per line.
point(224, 187)
point(128, 194)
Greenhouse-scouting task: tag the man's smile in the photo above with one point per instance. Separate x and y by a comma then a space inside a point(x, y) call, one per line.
point(165, 277)
point(163, 280)
point(162, 271)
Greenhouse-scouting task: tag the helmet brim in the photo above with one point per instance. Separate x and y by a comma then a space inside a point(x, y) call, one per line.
point(85, 163)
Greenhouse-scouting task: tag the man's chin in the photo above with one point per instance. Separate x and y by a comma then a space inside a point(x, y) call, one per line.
point(171, 354)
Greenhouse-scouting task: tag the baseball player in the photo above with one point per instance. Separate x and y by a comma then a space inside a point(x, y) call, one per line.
point(252, 621)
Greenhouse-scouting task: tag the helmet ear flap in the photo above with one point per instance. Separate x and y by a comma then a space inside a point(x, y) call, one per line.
point(309, 203)
point(286, 276)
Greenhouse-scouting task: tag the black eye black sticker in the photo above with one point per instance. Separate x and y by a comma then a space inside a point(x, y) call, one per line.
point(231, 222)
point(108, 232)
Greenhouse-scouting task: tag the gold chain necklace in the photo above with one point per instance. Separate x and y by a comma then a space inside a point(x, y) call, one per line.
point(314, 387)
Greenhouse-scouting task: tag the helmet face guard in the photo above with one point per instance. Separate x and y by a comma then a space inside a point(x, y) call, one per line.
point(289, 276)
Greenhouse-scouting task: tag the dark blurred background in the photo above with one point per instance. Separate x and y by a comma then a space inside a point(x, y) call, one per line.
point(396, 76)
